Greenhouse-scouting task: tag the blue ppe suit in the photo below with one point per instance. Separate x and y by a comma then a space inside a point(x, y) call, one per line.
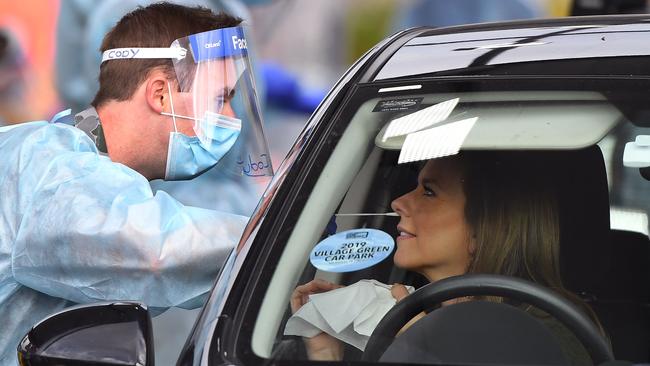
point(76, 228)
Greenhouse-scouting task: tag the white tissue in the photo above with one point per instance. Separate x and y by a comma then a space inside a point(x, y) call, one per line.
point(349, 314)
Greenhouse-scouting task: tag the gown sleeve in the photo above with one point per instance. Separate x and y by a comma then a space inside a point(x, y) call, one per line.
point(93, 230)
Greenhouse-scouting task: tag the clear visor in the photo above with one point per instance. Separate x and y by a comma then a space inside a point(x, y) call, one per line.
point(217, 89)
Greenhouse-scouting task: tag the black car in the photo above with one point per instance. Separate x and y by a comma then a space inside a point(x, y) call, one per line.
point(565, 100)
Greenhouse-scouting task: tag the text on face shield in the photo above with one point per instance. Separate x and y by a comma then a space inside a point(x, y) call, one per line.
point(239, 43)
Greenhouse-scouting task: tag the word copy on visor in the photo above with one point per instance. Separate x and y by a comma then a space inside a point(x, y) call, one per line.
point(215, 89)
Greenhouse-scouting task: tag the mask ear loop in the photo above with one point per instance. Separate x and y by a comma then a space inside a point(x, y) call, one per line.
point(171, 101)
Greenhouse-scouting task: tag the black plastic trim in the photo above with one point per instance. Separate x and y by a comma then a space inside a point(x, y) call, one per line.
point(399, 40)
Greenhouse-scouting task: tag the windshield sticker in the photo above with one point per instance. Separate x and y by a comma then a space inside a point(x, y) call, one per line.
point(352, 250)
point(398, 104)
point(417, 121)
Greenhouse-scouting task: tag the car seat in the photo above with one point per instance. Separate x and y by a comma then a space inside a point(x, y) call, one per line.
point(624, 303)
point(609, 269)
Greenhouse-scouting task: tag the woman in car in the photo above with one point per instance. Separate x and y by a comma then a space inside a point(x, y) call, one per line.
point(476, 212)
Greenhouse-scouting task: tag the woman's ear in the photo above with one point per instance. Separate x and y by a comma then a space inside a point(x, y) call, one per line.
point(471, 248)
point(157, 93)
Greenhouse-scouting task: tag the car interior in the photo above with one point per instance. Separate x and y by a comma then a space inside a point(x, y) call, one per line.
point(574, 139)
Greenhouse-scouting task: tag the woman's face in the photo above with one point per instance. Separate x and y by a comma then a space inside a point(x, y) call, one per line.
point(434, 238)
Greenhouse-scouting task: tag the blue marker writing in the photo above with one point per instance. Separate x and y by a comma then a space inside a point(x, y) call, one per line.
point(255, 169)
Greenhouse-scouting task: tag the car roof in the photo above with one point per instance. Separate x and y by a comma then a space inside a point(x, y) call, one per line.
point(507, 48)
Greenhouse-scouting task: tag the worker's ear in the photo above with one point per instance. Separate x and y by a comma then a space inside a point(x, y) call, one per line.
point(157, 92)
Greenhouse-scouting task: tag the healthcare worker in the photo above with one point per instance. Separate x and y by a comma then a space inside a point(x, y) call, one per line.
point(81, 27)
point(78, 220)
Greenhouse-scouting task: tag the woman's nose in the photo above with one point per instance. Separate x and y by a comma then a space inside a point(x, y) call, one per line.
point(399, 205)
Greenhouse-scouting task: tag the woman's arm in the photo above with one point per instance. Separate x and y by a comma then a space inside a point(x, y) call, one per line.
point(399, 292)
point(322, 347)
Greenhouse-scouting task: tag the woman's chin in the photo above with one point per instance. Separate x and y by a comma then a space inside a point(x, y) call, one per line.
point(402, 261)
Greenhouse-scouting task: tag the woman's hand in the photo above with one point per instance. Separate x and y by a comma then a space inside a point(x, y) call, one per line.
point(301, 294)
point(322, 347)
point(399, 292)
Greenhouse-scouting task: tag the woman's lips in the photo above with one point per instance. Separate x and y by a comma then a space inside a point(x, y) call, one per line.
point(403, 234)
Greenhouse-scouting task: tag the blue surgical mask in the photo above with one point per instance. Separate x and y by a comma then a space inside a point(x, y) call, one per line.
point(190, 156)
point(187, 157)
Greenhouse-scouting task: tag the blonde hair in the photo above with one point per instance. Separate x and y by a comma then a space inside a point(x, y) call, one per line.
point(512, 210)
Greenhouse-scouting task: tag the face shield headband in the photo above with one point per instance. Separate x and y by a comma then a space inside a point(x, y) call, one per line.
point(215, 86)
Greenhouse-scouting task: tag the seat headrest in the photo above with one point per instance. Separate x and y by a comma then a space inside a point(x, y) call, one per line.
point(584, 219)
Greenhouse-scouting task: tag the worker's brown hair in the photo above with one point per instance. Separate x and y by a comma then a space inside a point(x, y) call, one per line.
point(156, 25)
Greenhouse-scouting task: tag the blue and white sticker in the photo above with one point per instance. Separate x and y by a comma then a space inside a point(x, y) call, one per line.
point(352, 250)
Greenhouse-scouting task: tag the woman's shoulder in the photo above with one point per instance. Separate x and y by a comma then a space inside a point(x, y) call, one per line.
point(571, 346)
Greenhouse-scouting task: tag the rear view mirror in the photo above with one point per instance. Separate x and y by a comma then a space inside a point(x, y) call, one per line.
point(117, 333)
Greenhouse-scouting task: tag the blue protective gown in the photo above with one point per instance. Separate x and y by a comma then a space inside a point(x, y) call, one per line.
point(76, 228)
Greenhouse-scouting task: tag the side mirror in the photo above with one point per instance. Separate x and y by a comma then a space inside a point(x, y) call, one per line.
point(117, 333)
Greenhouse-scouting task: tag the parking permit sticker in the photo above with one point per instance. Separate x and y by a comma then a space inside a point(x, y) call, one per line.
point(397, 104)
point(352, 250)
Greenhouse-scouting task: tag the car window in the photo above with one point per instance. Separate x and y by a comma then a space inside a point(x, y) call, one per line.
point(397, 162)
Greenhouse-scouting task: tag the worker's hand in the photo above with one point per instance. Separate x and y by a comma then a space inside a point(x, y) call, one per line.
point(322, 347)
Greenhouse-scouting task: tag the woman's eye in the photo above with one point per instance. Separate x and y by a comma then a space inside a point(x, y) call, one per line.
point(428, 191)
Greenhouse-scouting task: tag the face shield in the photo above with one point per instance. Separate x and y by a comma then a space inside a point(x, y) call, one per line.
point(217, 83)
point(216, 90)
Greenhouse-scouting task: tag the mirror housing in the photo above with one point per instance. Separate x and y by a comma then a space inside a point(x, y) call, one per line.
point(109, 333)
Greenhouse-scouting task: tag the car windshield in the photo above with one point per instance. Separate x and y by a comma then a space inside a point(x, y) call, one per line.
point(424, 185)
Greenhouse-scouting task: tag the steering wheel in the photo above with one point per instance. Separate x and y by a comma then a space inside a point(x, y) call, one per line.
point(488, 285)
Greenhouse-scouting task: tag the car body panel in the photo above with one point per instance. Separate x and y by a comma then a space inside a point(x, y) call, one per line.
point(495, 48)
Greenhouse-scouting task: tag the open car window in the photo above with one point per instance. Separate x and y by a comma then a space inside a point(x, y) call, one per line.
point(346, 232)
